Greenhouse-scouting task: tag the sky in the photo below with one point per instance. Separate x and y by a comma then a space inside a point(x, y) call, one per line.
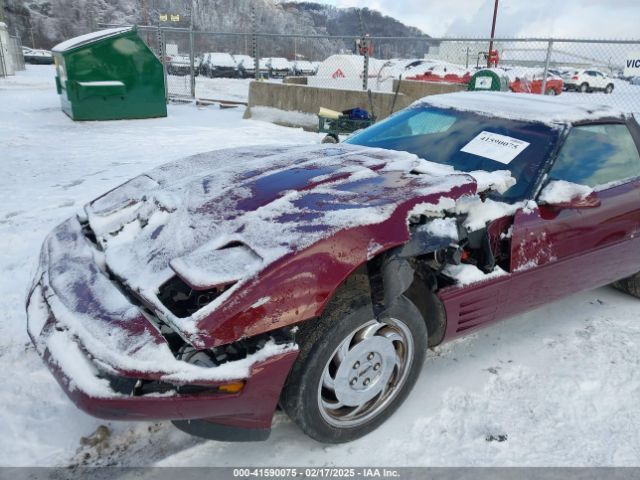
point(521, 18)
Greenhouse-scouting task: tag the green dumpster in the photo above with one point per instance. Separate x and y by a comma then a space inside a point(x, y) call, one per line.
point(109, 75)
point(489, 80)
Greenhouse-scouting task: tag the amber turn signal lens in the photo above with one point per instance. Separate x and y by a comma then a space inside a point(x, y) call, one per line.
point(233, 387)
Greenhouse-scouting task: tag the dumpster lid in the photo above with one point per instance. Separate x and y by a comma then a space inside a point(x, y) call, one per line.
point(88, 38)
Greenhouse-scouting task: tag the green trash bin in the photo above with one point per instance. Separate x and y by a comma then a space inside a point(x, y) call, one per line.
point(489, 80)
point(109, 75)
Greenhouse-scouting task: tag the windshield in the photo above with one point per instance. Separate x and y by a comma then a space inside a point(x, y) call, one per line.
point(467, 142)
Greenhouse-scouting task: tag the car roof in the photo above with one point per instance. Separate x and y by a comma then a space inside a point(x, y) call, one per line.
point(523, 106)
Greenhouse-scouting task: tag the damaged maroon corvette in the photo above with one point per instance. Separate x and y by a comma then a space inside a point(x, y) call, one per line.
point(210, 290)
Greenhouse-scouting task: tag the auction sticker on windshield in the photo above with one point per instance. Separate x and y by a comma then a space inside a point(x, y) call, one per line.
point(494, 146)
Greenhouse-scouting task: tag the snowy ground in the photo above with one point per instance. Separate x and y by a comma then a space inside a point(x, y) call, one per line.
point(561, 383)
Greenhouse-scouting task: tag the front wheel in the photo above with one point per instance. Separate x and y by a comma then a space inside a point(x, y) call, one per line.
point(630, 285)
point(551, 92)
point(354, 370)
point(609, 88)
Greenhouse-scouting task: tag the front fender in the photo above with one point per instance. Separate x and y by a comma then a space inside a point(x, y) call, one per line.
point(297, 287)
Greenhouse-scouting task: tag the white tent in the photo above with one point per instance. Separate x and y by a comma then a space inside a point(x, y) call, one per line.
point(345, 72)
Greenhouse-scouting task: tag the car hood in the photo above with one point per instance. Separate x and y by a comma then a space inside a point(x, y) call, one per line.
point(224, 216)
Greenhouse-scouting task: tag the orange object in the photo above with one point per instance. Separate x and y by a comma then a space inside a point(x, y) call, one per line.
point(233, 387)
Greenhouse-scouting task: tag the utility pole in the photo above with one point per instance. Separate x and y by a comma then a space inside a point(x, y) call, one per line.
point(493, 32)
point(145, 13)
point(254, 42)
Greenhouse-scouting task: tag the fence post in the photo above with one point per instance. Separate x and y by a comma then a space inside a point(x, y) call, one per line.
point(254, 43)
point(364, 43)
point(192, 70)
point(546, 67)
point(163, 56)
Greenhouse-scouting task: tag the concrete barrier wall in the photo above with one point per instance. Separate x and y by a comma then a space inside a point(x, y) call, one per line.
point(295, 80)
point(416, 89)
point(304, 101)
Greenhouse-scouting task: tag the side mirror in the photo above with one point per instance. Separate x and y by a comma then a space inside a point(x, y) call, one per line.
point(559, 194)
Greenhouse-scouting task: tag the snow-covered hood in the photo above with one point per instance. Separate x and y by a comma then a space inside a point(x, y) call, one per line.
point(265, 203)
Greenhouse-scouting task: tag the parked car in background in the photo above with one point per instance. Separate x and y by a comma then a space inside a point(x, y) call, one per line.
point(303, 68)
point(37, 56)
point(218, 64)
point(279, 67)
point(263, 67)
point(179, 65)
point(245, 64)
point(532, 83)
point(590, 80)
point(213, 288)
point(634, 80)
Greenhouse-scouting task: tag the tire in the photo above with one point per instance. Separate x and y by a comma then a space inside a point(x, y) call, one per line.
point(330, 138)
point(551, 92)
point(609, 88)
point(630, 285)
point(319, 381)
point(584, 88)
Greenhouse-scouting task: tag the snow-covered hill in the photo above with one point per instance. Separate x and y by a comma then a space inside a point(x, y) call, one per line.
point(46, 22)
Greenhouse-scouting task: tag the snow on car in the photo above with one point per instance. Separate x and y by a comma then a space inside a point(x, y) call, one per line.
point(245, 65)
point(303, 67)
point(279, 67)
point(218, 64)
point(217, 286)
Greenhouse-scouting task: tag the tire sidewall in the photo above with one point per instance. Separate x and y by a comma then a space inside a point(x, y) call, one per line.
point(308, 414)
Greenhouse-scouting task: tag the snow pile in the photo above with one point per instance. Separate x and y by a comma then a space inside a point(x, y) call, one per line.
point(560, 191)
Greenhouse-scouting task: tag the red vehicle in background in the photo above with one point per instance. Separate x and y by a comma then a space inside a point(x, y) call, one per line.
point(444, 73)
point(533, 84)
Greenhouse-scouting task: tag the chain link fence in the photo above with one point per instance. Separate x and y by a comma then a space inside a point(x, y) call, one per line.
point(220, 66)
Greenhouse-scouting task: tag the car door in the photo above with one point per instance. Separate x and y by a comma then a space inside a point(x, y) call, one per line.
point(600, 81)
point(593, 79)
point(556, 251)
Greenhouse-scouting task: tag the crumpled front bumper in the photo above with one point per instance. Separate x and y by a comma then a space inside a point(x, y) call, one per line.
point(68, 326)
